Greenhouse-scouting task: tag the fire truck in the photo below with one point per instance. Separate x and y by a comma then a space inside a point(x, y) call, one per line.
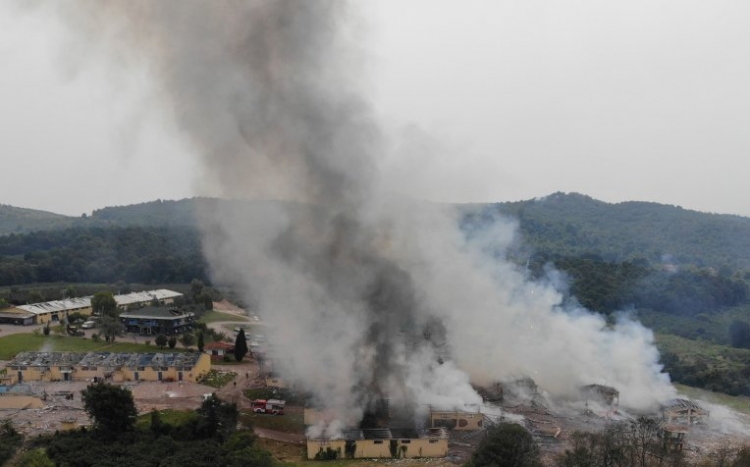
point(269, 406)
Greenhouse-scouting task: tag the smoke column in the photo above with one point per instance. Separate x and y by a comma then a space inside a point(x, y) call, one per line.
point(368, 296)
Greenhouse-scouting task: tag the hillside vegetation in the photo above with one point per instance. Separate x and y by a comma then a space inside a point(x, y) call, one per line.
point(576, 225)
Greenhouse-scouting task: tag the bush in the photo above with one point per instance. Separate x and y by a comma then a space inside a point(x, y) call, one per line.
point(506, 445)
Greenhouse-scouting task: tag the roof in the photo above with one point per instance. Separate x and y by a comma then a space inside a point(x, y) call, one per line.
point(105, 359)
point(71, 304)
point(15, 313)
point(681, 404)
point(144, 297)
point(153, 312)
point(389, 433)
point(54, 306)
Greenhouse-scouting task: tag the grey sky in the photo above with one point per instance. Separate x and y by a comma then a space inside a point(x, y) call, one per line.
point(481, 100)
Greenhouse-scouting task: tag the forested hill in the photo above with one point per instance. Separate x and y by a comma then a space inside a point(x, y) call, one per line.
point(574, 225)
point(157, 213)
point(559, 225)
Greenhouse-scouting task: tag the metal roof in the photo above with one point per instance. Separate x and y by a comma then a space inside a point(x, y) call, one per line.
point(72, 304)
point(157, 313)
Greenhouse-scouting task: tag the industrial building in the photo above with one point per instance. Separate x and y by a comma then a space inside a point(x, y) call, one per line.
point(55, 310)
point(386, 440)
point(117, 367)
point(153, 321)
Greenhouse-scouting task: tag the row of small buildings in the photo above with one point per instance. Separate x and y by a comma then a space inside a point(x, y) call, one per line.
point(56, 310)
point(107, 366)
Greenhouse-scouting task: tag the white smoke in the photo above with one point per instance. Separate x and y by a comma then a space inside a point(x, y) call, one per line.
point(368, 296)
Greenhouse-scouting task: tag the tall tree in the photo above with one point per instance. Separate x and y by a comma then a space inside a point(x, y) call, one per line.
point(240, 346)
point(201, 343)
point(104, 304)
point(111, 407)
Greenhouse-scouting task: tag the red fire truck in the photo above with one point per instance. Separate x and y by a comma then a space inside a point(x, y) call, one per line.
point(269, 406)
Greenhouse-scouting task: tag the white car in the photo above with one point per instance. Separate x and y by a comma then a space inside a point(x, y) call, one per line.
point(88, 325)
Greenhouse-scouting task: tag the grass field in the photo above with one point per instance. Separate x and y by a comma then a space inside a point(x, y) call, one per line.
point(215, 316)
point(14, 343)
point(719, 356)
point(740, 404)
point(290, 422)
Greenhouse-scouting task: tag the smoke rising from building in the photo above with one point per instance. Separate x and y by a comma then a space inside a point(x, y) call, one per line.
point(369, 296)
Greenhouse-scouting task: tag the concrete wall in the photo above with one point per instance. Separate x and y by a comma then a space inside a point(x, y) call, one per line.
point(459, 421)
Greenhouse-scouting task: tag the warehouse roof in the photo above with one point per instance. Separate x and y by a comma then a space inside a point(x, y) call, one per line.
point(72, 304)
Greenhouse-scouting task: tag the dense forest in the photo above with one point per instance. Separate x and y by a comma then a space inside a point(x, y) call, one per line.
point(145, 255)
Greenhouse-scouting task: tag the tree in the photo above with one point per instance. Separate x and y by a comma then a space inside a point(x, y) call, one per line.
point(643, 440)
point(196, 289)
point(241, 450)
point(240, 346)
point(187, 340)
point(216, 418)
point(161, 341)
point(69, 292)
point(506, 445)
point(110, 328)
point(208, 303)
point(104, 304)
point(111, 407)
point(172, 342)
point(201, 343)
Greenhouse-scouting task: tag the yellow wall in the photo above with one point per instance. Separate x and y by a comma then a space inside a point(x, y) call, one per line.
point(20, 402)
point(373, 449)
point(44, 318)
point(53, 373)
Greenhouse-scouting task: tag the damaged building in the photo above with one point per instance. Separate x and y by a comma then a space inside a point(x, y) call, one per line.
point(117, 367)
point(600, 394)
point(380, 443)
point(383, 435)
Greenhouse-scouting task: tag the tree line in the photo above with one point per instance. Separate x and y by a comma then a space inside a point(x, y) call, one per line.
point(144, 255)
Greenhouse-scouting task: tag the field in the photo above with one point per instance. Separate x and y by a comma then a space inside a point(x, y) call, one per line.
point(217, 316)
point(12, 344)
point(291, 422)
point(718, 356)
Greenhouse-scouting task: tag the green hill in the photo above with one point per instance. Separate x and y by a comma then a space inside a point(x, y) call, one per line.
point(576, 225)
point(21, 220)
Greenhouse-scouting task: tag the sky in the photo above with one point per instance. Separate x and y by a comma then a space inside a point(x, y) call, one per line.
point(480, 101)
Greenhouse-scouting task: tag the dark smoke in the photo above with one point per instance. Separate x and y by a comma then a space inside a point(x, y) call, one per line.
point(369, 298)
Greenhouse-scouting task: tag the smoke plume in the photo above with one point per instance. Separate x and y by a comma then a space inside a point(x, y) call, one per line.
point(368, 296)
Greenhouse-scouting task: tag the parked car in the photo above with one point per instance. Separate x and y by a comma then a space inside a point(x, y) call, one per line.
point(88, 325)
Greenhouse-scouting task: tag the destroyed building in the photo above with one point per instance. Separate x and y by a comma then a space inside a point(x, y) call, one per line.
point(380, 443)
point(600, 394)
point(117, 367)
